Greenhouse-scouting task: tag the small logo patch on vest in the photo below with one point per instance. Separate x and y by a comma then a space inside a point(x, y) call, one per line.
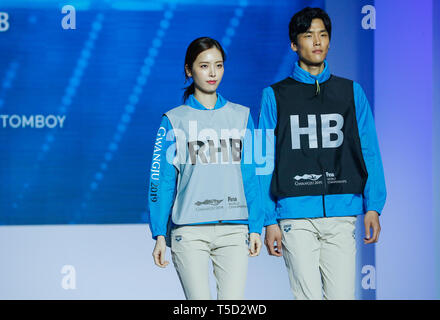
point(311, 177)
point(234, 202)
point(308, 179)
point(212, 202)
point(178, 238)
point(287, 227)
point(331, 178)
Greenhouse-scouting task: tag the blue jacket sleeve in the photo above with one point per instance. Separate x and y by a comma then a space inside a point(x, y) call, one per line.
point(250, 183)
point(265, 138)
point(375, 189)
point(162, 184)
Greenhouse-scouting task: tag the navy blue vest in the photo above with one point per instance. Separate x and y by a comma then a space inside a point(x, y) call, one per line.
point(318, 150)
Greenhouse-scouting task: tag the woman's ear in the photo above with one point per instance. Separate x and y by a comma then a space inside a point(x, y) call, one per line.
point(188, 71)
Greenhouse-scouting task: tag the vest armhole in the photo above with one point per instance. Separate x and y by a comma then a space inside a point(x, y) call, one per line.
point(248, 114)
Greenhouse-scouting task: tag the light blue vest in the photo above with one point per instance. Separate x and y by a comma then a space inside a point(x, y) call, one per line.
point(209, 180)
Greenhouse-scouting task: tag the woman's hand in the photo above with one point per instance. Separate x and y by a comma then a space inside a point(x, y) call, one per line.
point(159, 252)
point(254, 244)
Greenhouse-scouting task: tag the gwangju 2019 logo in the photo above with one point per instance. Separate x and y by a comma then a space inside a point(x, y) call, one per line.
point(308, 179)
point(208, 204)
point(213, 202)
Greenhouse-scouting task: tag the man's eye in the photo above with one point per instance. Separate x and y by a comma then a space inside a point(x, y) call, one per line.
point(219, 66)
point(204, 66)
point(324, 35)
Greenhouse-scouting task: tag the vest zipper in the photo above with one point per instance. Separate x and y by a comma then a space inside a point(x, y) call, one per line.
point(318, 89)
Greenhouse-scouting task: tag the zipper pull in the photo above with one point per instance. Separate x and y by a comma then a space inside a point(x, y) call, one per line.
point(318, 89)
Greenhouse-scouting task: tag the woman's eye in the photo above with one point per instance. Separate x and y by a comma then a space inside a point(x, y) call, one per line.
point(204, 66)
point(219, 66)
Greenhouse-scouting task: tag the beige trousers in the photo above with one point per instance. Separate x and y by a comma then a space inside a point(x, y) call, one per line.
point(226, 245)
point(320, 256)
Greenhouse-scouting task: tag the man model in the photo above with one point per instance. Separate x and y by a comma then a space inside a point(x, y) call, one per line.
point(327, 167)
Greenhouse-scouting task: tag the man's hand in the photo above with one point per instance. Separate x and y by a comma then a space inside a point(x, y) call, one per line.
point(371, 220)
point(159, 252)
point(273, 234)
point(254, 244)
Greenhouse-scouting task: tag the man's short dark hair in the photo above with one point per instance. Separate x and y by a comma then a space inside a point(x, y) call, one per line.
point(302, 21)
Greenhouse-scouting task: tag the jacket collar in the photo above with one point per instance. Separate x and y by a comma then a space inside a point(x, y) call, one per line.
point(194, 103)
point(301, 75)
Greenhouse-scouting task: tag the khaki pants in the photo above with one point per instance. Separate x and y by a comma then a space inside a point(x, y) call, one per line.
point(320, 256)
point(192, 247)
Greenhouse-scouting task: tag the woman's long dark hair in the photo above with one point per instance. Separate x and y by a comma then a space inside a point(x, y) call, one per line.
point(194, 49)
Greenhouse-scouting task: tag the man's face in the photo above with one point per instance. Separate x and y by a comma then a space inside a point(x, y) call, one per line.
point(312, 46)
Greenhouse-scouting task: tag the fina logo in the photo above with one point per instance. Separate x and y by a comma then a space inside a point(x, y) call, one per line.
point(37, 121)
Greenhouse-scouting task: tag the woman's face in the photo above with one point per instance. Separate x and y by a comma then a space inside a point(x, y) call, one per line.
point(207, 70)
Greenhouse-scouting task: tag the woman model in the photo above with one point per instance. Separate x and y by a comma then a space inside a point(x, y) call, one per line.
point(203, 184)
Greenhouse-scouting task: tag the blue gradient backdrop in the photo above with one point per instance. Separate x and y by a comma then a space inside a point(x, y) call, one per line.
point(406, 118)
point(122, 67)
point(112, 78)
